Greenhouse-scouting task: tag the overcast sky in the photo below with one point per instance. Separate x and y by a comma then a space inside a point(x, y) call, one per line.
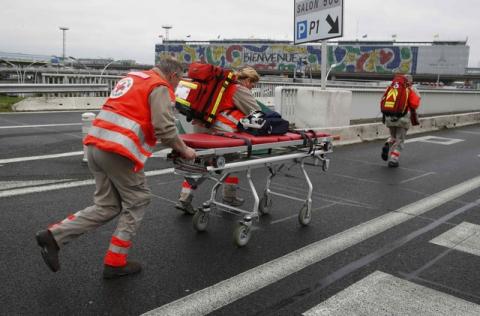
point(122, 29)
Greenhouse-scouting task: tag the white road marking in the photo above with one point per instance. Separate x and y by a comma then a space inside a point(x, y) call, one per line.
point(49, 112)
point(417, 177)
point(435, 140)
point(283, 219)
point(5, 185)
point(384, 294)
point(464, 237)
point(44, 125)
point(74, 184)
point(20, 159)
point(227, 291)
point(469, 132)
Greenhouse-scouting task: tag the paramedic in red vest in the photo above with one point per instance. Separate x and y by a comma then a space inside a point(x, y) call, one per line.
point(138, 112)
point(399, 126)
point(237, 103)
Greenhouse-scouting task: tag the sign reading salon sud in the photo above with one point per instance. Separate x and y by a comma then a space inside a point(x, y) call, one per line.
point(317, 20)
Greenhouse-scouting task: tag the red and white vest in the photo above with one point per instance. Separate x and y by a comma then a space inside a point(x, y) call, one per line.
point(228, 116)
point(124, 125)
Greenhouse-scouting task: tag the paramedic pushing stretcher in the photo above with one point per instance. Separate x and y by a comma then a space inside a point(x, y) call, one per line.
point(123, 136)
point(237, 103)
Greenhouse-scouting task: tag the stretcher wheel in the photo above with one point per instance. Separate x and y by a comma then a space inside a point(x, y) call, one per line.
point(304, 216)
point(265, 204)
point(241, 235)
point(200, 220)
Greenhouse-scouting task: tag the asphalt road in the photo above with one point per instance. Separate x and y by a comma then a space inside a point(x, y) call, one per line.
point(381, 241)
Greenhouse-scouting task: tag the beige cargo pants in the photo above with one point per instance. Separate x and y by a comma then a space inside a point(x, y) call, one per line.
point(119, 192)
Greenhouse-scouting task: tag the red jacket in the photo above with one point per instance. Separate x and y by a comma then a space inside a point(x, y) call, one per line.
point(124, 125)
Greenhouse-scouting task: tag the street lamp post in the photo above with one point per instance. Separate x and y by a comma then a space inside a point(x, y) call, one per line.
point(330, 69)
point(26, 68)
point(103, 70)
point(78, 61)
point(63, 29)
point(17, 70)
point(167, 29)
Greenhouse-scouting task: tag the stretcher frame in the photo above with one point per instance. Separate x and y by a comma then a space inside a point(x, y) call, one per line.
point(210, 164)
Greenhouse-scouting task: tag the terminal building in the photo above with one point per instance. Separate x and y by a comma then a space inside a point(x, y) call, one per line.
point(377, 60)
point(440, 62)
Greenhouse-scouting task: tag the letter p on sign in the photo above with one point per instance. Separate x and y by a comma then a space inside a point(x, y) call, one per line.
point(301, 30)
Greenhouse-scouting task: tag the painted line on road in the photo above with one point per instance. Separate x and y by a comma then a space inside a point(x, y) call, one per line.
point(463, 237)
point(225, 292)
point(156, 154)
point(283, 219)
point(20, 159)
point(74, 184)
point(44, 125)
point(384, 294)
point(8, 185)
point(417, 177)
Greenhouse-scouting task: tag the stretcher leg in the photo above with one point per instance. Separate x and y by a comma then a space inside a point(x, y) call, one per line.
point(305, 214)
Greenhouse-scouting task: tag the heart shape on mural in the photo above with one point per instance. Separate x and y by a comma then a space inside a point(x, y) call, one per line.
point(385, 56)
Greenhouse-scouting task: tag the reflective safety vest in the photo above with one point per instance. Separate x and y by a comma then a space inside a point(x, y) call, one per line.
point(228, 117)
point(227, 121)
point(124, 125)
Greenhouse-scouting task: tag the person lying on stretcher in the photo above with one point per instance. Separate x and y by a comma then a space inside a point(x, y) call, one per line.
point(237, 103)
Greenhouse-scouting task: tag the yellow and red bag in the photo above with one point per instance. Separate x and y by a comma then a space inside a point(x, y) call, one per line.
point(200, 96)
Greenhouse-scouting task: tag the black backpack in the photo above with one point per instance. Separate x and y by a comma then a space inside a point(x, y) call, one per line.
point(261, 123)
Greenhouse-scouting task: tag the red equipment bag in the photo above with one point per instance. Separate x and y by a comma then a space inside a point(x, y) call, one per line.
point(395, 99)
point(200, 97)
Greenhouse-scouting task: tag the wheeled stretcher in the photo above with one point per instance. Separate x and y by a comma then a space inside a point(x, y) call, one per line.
point(220, 154)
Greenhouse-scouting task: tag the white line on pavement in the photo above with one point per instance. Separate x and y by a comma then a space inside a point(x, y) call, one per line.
point(44, 125)
point(417, 177)
point(20, 159)
point(227, 291)
point(384, 294)
point(74, 184)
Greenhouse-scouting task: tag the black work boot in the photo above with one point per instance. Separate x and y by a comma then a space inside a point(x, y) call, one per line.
point(185, 204)
point(131, 267)
point(393, 164)
point(385, 150)
point(234, 201)
point(49, 250)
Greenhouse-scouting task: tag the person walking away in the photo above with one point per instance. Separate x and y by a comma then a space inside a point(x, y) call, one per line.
point(138, 111)
point(237, 103)
point(398, 104)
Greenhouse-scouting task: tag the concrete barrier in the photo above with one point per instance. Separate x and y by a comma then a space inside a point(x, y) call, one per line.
point(308, 107)
point(59, 104)
point(367, 132)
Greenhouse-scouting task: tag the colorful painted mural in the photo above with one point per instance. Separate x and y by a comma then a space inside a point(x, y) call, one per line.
point(287, 58)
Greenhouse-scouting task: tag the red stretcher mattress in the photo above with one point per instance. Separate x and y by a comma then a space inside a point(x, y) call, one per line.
point(220, 140)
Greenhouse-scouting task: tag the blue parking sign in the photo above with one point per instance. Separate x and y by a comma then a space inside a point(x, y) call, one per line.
point(301, 30)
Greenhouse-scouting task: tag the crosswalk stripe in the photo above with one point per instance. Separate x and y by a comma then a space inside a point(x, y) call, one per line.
point(384, 294)
point(464, 237)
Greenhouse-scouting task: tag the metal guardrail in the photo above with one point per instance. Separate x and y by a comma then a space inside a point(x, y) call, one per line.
point(53, 88)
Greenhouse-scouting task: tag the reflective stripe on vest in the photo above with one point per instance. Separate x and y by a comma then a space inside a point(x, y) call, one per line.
point(224, 127)
point(229, 117)
point(127, 123)
point(118, 138)
point(228, 120)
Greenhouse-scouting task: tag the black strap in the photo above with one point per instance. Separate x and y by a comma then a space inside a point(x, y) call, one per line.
point(247, 141)
point(307, 140)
